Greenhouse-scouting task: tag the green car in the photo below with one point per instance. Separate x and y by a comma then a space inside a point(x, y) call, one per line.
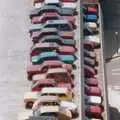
point(61, 25)
point(69, 59)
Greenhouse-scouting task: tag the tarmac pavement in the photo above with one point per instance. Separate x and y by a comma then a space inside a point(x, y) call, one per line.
point(14, 47)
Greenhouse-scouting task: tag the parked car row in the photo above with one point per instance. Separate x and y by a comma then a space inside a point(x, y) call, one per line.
point(52, 58)
point(93, 93)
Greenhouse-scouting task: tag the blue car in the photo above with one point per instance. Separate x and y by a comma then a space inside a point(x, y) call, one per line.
point(91, 18)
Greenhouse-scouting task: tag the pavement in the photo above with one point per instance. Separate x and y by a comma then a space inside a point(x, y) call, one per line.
point(14, 47)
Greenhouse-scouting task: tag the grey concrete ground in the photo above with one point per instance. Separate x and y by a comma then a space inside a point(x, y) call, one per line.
point(14, 46)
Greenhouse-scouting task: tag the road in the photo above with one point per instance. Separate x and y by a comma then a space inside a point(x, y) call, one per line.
point(111, 26)
point(112, 43)
point(14, 47)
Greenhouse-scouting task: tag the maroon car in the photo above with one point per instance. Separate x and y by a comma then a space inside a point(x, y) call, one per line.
point(42, 47)
point(52, 16)
point(91, 81)
point(89, 71)
point(95, 91)
point(94, 111)
point(43, 68)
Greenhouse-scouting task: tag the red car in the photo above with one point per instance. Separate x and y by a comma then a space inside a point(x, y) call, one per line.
point(43, 83)
point(91, 81)
point(51, 31)
point(41, 47)
point(52, 16)
point(90, 10)
point(43, 68)
point(95, 91)
point(94, 111)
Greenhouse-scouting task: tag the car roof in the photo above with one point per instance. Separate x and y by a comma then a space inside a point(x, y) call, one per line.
point(49, 109)
point(45, 45)
point(45, 81)
point(57, 22)
point(48, 98)
point(94, 99)
point(31, 94)
point(51, 1)
point(66, 57)
point(48, 30)
point(48, 54)
point(56, 70)
point(56, 90)
point(38, 77)
point(93, 38)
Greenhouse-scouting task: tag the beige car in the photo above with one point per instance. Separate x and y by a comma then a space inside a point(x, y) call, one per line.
point(63, 93)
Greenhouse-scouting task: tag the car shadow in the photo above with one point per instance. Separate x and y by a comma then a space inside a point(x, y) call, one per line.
point(114, 113)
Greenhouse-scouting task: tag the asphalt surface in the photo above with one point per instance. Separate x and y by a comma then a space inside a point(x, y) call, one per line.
point(111, 16)
point(112, 43)
point(14, 47)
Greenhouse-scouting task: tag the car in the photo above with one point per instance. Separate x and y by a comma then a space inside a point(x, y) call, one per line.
point(39, 85)
point(52, 16)
point(89, 44)
point(90, 10)
point(40, 1)
point(43, 68)
point(93, 38)
point(95, 91)
point(63, 93)
point(61, 25)
point(94, 111)
point(57, 39)
point(93, 26)
point(60, 75)
point(58, 3)
point(52, 8)
point(90, 18)
point(70, 106)
point(90, 32)
point(68, 59)
point(45, 102)
point(47, 110)
point(89, 71)
point(89, 54)
point(89, 61)
point(91, 81)
point(93, 100)
point(51, 31)
point(92, 118)
point(30, 98)
point(44, 47)
point(42, 118)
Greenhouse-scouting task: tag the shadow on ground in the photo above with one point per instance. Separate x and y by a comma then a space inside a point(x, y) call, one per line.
point(114, 114)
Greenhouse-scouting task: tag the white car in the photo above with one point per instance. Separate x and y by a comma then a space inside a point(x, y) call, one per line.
point(93, 38)
point(65, 5)
point(93, 100)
